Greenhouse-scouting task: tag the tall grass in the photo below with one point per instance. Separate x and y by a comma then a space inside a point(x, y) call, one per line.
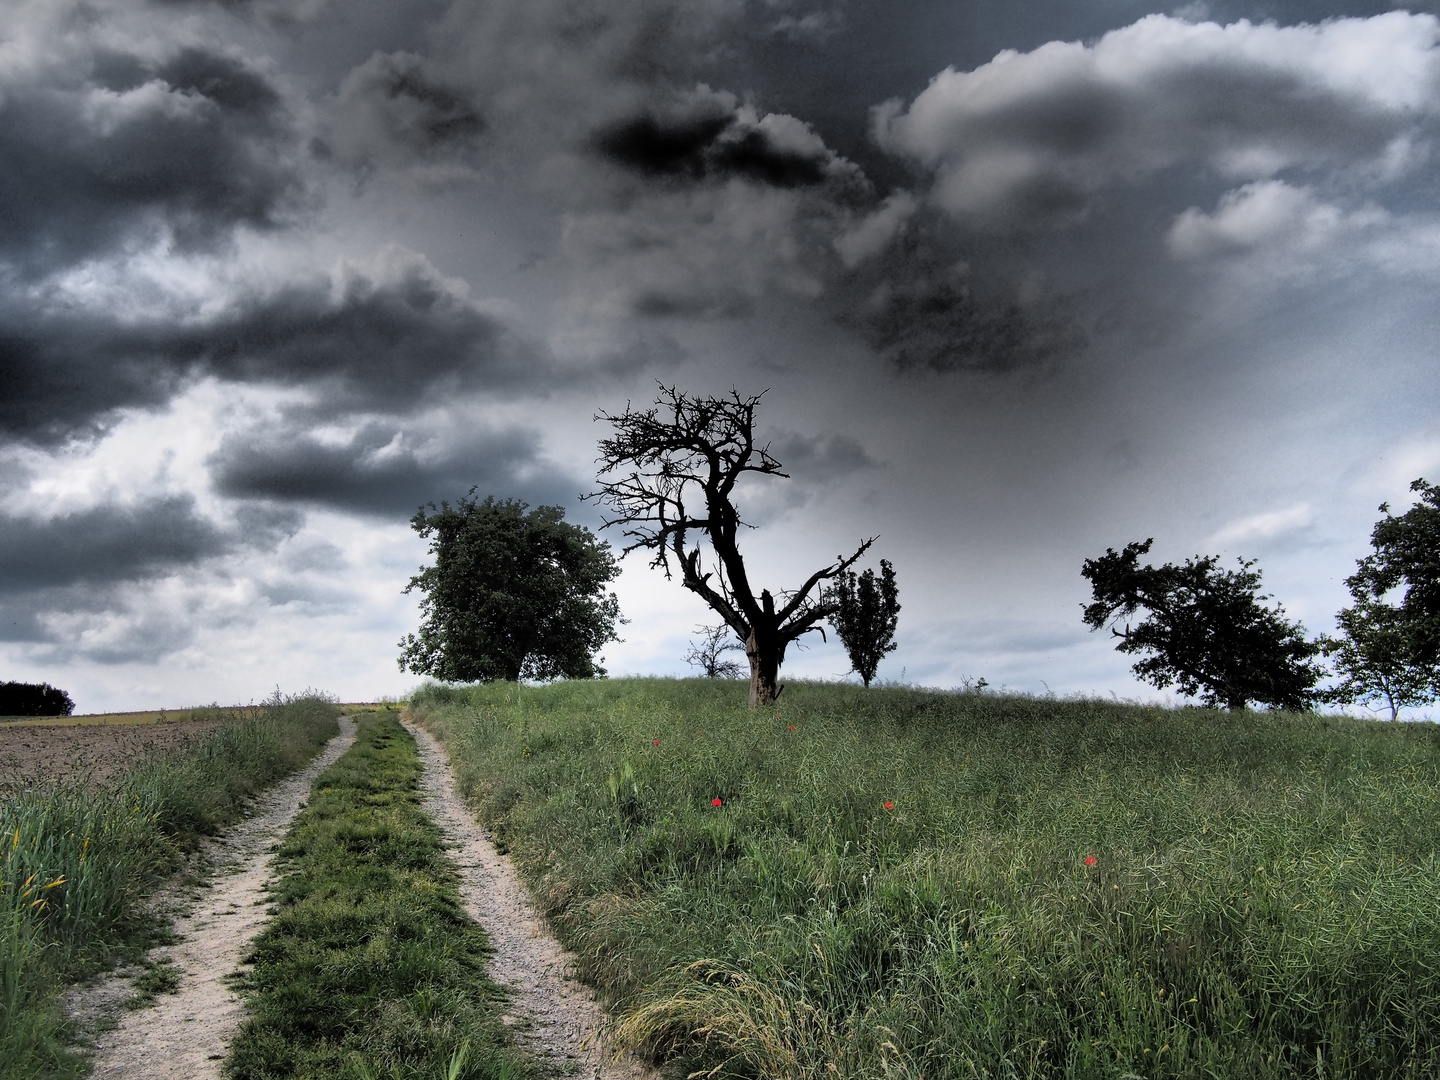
point(1057, 888)
point(74, 864)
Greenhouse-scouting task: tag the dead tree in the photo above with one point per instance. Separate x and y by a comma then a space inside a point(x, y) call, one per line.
point(708, 653)
point(675, 467)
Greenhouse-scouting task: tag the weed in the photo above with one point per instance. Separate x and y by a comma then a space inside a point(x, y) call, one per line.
point(159, 977)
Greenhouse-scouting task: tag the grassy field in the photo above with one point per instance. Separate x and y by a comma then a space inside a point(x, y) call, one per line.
point(370, 967)
point(896, 883)
point(76, 862)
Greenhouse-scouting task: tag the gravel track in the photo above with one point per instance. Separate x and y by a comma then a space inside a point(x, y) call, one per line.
point(561, 1019)
point(186, 1035)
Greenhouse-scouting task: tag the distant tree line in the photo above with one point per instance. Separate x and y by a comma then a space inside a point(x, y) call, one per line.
point(34, 699)
point(520, 594)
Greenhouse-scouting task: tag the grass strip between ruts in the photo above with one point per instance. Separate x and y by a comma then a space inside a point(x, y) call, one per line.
point(370, 967)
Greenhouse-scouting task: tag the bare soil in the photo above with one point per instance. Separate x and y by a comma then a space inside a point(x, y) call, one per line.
point(40, 755)
point(553, 1014)
point(186, 1035)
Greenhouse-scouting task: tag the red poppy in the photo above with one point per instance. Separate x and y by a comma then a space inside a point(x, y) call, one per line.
point(657, 742)
point(1090, 860)
point(792, 727)
point(716, 801)
point(889, 806)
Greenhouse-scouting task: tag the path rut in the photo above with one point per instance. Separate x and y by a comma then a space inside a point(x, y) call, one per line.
point(565, 1020)
point(186, 1035)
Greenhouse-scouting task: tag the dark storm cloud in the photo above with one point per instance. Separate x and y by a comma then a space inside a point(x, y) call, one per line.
point(120, 147)
point(920, 306)
point(705, 135)
point(386, 339)
point(103, 624)
point(80, 584)
point(821, 459)
point(398, 105)
point(383, 470)
point(390, 338)
point(813, 464)
point(936, 322)
point(106, 544)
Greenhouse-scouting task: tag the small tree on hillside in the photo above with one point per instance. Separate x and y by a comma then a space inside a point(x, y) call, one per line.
point(708, 653)
point(512, 594)
point(1393, 651)
point(687, 450)
point(1205, 631)
point(866, 614)
point(1376, 658)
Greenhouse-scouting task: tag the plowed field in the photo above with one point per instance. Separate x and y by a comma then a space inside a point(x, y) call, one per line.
point(34, 754)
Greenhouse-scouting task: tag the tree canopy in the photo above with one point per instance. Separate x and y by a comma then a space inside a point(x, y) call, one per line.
point(1205, 632)
point(34, 699)
point(511, 595)
point(1406, 556)
point(1376, 658)
point(865, 618)
point(673, 470)
point(1388, 650)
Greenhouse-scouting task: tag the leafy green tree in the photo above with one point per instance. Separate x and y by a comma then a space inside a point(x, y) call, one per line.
point(1392, 651)
point(1376, 658)
point(865, 617)
point(1205, 631)
point(1407, 554)
point(512, 595)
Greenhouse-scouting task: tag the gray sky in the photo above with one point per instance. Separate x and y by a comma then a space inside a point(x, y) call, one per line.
point(1022, 281)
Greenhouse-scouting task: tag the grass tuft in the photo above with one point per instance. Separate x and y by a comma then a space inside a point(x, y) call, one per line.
point(160, 977)
point(904, 883)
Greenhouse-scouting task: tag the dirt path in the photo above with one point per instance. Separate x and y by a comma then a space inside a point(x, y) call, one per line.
point(564, 1017)
point(185, 1036)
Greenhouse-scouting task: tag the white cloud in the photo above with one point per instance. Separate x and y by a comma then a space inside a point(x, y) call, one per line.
point(1404, 460)
point(1269, 214)
point(1036, 136)
point(1266, 526)
point(873, 234)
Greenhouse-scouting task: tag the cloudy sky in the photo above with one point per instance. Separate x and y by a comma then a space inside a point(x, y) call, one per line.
point(1022, 282)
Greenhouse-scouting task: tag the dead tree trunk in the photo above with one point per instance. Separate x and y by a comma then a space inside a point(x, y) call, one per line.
point(766, 653)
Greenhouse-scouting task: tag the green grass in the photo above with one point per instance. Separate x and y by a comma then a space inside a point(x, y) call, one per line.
point(75, 864)
point(370, 967)
point(160, 977)
point(1264, 899)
